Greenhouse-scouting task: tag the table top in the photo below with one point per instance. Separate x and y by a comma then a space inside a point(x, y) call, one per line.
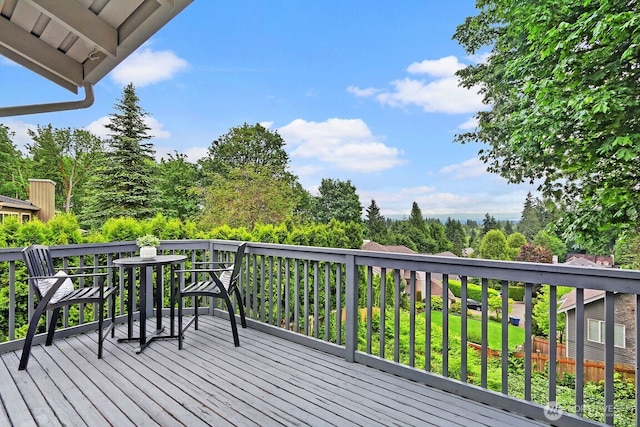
point(137, 261)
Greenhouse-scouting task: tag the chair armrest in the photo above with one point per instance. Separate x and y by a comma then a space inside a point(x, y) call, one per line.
point(203, 270)
point(71, 276)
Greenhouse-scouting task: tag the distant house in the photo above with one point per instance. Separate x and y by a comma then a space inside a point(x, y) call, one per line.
point(600, 260)
point(436, 278)
point(41, 203)
point(624, 321)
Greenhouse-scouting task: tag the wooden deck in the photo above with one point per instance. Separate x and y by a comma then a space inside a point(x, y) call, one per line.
point(268, 381)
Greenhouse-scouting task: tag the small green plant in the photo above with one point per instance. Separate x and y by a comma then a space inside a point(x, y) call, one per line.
point(148, 240)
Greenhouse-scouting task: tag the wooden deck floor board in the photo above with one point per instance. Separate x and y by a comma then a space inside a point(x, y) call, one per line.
point(267, 381)
point(286, 397)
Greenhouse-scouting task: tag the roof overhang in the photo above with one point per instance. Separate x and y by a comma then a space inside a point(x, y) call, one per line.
point(75, 43)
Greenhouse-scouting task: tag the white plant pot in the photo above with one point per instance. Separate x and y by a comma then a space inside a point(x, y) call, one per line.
point(148, 251)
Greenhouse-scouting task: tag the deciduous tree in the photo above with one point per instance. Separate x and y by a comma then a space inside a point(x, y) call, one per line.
point(66, 156)
point(562, 85)
point(337, 200)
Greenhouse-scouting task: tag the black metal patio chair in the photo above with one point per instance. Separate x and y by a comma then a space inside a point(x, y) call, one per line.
point(221, 281)
point(56, 290)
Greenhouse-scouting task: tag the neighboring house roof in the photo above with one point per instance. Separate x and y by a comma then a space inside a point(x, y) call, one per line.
point(436, 278)
point(10, 202)
point(600, 260)
point(370, 245)
point(568, 301)
point(447, 253)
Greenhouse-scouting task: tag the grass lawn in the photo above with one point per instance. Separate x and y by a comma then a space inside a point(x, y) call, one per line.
point(494, 330)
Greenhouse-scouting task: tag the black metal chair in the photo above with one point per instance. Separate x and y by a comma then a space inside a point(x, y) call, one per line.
point(55, 290)
point(223, 281)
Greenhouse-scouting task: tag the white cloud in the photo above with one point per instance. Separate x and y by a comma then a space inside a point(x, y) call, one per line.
point(479, 58)
point(266, 125)
point(470, 124)
point(146, 67)
point(366, 92)
point(468, 169)
point(440, 94)
point(97, 127)
point(157, 129)
point(443, 67)
point(398, 202)
point(347, 144)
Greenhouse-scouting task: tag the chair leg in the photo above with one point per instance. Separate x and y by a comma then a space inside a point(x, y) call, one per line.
point(195, 325)
point(180, 332)
point(113, 315)
point(52, 325)
point(232, 319)
point(100, 330)
point(28, 340)
point(243, 320)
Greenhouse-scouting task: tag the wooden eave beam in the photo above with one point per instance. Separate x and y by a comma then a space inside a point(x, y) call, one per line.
point(82, 22)
point(43, 59)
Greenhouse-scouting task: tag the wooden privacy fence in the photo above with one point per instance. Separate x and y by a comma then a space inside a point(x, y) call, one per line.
point(540, 345)
point(593, 369)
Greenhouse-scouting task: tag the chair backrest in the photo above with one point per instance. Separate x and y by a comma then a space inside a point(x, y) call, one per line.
point(230, 280)
point(39, 263)
point(237, 261)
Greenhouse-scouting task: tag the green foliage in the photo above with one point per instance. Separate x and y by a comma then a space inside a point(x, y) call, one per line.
point(376, 226)
point(13, 173)
point(121, 229)
point(455, 233)
point(627, 251)
point(68, 157)
point(514, 242)
point(551, 242)
point(337, 200)
point(436, 303)
point(494, 246)
point(516, 293)
point(176, 187)
point(473, 291)
point(245, 196)
point(63, 229)
point(541, 309)
point(562, 83)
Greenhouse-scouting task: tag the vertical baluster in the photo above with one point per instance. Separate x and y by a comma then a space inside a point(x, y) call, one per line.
point(427, 322)
point(579, 340)
point(528, 350)
point(609, 357)
point(383, 297)
point(369, 307)
point(485, 328)
point(505, 336)
point(463, 329)
point(396, 315)
point(445, 325)
point(412, 318)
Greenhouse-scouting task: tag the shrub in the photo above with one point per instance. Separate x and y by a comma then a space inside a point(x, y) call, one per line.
point(516, 293)
point(436, 303)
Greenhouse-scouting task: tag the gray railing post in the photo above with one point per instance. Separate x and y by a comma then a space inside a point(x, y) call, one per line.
point(351, 306)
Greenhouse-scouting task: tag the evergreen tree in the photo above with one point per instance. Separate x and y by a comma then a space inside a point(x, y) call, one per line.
point(124, 185)
point(529, 221)
point(376, 224)
point(508, 228)
point(489, 223)
point(456, 235)
point(415, 218)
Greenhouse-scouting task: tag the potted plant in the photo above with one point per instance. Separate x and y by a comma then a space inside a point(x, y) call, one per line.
point(148, 245)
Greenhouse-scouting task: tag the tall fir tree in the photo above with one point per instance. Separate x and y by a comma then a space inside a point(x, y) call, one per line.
point(415, 217)
point(376, 224)
point(124, 185)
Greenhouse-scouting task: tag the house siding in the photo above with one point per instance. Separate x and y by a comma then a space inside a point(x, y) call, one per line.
point(624, 314)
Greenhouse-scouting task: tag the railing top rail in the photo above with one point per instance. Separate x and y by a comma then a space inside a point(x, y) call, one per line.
point(618, 280)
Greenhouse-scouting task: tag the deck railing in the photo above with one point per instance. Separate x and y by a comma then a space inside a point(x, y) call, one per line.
point(364, 306)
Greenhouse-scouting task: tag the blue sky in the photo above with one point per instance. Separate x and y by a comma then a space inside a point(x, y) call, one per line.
point(359, 90)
